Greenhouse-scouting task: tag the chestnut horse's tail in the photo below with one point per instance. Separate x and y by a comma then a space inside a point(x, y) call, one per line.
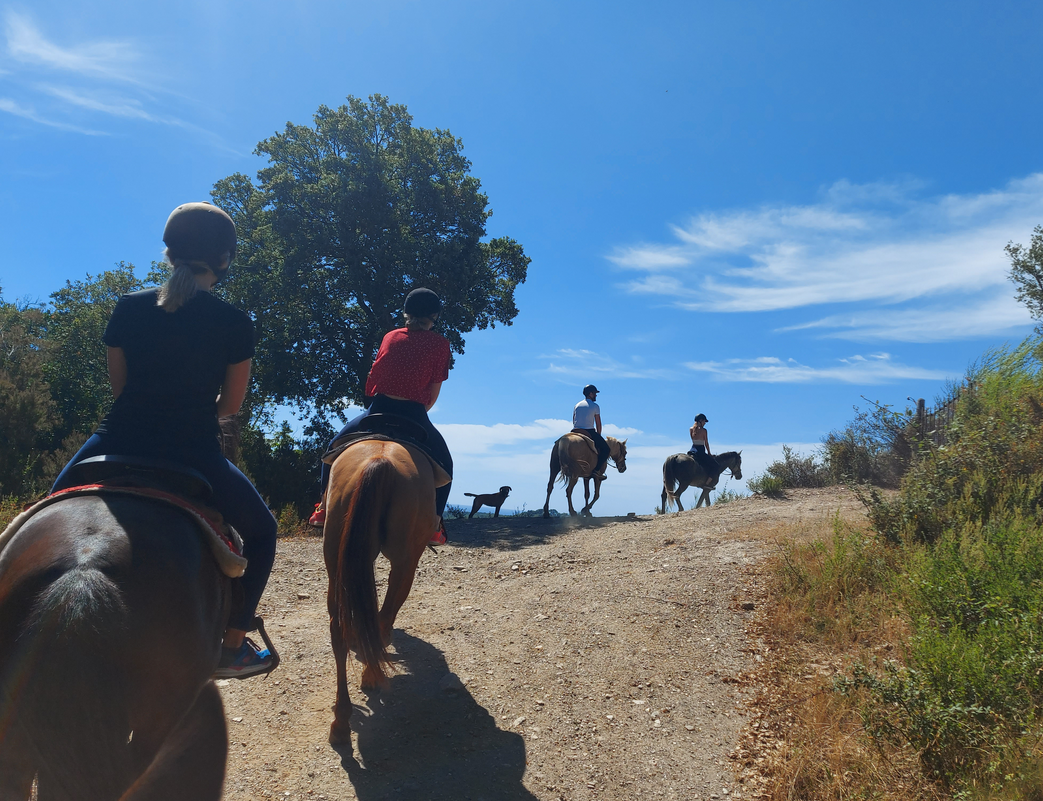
point(364, 532)
point(669, 483)
point(71, 664)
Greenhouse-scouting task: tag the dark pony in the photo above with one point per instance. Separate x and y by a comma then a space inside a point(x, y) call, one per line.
point(111, 616)
point(681, 471)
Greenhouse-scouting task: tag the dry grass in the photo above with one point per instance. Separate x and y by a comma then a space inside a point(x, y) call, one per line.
point(826, 607)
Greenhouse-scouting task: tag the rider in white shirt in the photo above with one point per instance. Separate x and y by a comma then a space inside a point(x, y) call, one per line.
point(586, 418)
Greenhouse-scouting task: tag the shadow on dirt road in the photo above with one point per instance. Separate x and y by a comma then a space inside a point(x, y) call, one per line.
point(513, 533)
point(417, 740)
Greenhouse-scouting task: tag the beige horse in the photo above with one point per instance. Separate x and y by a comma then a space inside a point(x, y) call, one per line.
point(381, 499)
point(574, 457)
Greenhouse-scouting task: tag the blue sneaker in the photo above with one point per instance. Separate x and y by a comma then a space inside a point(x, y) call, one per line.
point(243, 662)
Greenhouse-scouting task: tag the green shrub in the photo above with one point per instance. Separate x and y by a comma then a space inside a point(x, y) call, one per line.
point(724, 496)
point(767, 484)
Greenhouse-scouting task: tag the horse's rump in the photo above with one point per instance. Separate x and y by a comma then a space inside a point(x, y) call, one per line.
point(110, 620)
point(378, 488)
point(577, 456)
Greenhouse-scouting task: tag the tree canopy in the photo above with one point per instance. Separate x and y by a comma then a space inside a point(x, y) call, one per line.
point(349, 216)
point(1026, 271)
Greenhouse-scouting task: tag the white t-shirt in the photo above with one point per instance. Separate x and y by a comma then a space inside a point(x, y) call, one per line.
point(584, 413)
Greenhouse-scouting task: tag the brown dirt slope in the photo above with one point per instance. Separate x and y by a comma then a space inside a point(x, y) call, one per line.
point(557, 659)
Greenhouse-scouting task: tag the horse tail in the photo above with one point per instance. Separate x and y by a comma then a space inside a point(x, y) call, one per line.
point(364, 531)
point(568, 465)
point(71, 666)
point(669, 483)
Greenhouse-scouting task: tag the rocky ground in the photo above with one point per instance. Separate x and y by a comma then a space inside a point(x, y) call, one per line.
point(536, 659)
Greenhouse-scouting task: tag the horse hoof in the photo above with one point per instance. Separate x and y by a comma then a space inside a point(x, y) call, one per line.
point(339, 735)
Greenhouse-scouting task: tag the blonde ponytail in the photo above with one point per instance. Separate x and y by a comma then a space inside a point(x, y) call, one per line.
point(182, 286)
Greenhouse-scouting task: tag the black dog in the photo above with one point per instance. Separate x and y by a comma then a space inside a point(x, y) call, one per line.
point(492, 499)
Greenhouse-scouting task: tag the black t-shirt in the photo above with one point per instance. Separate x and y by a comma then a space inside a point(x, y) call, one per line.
point(176, 363)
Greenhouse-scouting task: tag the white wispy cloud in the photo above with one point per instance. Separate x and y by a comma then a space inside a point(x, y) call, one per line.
point(580, 363)
point(996, 314)
point(878, 368)
point(112, 60)
point(82, 86)
point(874, 246)
point(18, 110)
point(115, 106)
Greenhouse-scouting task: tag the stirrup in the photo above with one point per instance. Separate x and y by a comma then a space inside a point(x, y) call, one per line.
point(259, 625)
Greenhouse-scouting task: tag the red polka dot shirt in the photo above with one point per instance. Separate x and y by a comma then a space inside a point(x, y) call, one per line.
point(408, 363)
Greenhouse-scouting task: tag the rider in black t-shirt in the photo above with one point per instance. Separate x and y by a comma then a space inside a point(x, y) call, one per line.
point(179, 358)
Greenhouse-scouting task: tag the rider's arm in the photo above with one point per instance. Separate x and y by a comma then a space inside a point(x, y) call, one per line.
point(706, 442)
point(117, 361)
point(435, 389)
point(233, 388)
point(597, 422)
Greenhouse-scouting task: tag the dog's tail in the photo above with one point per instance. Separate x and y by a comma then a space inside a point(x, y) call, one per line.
point(470, 495)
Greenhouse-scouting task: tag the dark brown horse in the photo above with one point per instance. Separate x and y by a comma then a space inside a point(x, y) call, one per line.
point(574, 457)
point(381, 499)
point(111, 616)
point(681, 471)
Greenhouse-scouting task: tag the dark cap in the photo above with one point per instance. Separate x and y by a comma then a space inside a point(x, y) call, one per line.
point(422, 302)
point(200, 232)
point(701, 417)
point(590, 388)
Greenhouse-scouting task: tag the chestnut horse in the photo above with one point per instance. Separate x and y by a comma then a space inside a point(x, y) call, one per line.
point(681, 471)
point(111, 616)
point(574, 457)
point(381, 499)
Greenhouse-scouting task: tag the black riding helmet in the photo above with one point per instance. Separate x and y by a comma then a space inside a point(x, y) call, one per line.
point(422, 302)
point(201, 232)
point(701, 417)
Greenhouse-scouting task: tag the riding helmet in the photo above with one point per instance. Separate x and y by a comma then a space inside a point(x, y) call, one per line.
point(701, 417)
point(200, 232)
point(588, 389)
point(422, 302)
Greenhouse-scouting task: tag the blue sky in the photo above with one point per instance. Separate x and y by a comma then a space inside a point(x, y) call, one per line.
point(759, 211)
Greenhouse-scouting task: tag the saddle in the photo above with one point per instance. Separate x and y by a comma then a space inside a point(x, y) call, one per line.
point(582, 432)
point(156, 479)
point(389, 428)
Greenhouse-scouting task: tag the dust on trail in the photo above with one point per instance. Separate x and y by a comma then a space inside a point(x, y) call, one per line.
point(556, 659)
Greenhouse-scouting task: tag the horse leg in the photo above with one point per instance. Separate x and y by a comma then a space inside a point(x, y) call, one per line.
point(597, 494)
point(400, 582)
point(555, 468)
point(191, 762)
point(340, 731)
point(681, 487)
point(586, 496)
point(573, 480)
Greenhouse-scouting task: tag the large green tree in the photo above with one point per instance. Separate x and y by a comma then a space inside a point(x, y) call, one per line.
point(76, 363)
point(349, 216)
point(1026, 271)
point(27, 413)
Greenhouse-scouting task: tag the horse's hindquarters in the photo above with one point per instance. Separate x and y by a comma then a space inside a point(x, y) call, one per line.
point(111, 614)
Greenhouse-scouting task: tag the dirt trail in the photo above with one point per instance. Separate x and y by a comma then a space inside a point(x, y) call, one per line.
point(556, 659)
